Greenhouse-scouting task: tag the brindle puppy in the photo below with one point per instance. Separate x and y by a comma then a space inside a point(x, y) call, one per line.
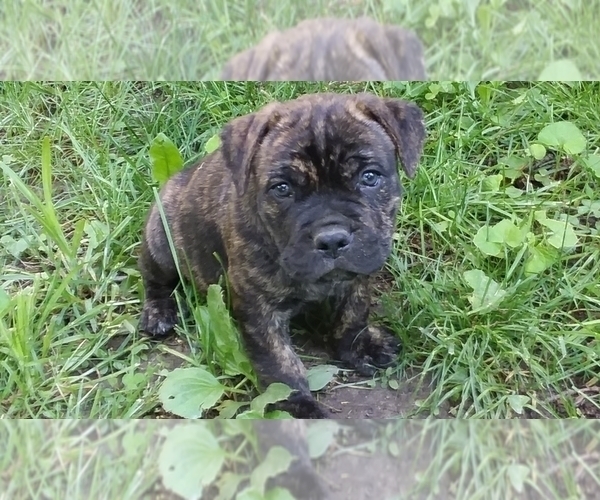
point(329, 49)
point(299, 203)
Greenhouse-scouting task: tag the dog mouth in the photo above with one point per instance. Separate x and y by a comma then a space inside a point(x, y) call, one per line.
point(328, 275)
point(311, 267)
point(336, 275)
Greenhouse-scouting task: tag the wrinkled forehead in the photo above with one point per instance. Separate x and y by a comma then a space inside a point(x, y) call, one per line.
point(317, 136)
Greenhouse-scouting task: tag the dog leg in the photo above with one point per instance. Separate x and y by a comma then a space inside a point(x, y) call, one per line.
point(359, 345)
point(159, 312)
point(265, 331)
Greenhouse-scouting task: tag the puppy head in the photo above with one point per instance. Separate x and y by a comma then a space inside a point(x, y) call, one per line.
point(320, 173)
point(388, 50)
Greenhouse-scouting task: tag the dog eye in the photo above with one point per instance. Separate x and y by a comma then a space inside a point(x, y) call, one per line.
point(282, 190)
point(370, 178)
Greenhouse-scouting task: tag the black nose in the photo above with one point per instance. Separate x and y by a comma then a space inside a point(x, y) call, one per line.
point(332, 240)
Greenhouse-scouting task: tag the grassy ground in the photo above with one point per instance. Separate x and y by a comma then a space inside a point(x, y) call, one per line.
point(132, 459)
point(190, 39)
point(496, 333)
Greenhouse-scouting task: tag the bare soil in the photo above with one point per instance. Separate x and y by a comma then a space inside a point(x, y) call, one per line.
point(346, 398)
point(374, 476)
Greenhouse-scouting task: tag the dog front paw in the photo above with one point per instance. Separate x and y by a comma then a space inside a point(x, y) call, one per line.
point(373, 347)
point(302, 406)
point(159, 317)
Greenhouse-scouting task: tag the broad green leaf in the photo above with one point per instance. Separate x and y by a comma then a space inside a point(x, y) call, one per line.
point(563, 234)
point(513, 192)
point(441, 226)
point(166, 158)
point(434, 90)
point(212, 144)
point(593, 163)
point(564, 136)
point(538, 151)
point(543, 177)
point(250, 415)
point(487, 294)
point(228, 408)
point(563, 70)
point(517, 474)
point(191, 459)
point(12, 246)
point(132, 380)
point(319, 376)
point(188, 392)
point(320, 435)
point(539, 259)
point(508, 233)
point(491, 183)
point(278, 415)
point(482, 241)
point(279, 494)
point(249, 493)
point(224, 336)
point(277, 461)
point(269, 415)
point(586, 207)
point(517, 402)
point(275, 392)
point(514, 163)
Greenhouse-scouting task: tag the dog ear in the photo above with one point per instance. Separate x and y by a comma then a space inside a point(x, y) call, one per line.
point(405, 57)
point(255, 63)
point(403, 121)
point(240, 141)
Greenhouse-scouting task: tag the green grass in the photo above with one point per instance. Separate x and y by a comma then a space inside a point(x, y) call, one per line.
point(498, 459)
point(190, 39)
point(130, 459)
point(70, 290)
point(77, 459)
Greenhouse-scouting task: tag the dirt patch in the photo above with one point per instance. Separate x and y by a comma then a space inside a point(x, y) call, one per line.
point(584, 396)
point(349, 397)
point(581, 395)
point(375, 476)
point(375, 402)
point(365, 477)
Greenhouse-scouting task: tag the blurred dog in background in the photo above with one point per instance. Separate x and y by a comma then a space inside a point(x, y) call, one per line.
point(330, 49)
